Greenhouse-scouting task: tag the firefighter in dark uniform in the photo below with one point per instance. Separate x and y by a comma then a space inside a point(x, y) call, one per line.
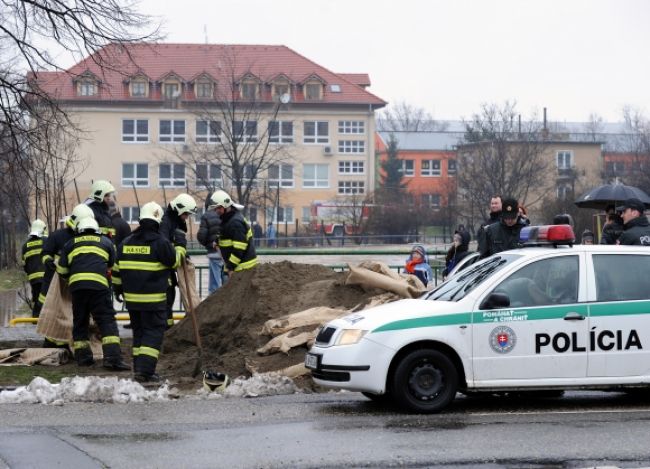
point(174, 227)
point(32, 262)
point(504, 235)
point(85, 263)
point(102, 193)
point(236, 238)
point(141, 276)
point(636, 228)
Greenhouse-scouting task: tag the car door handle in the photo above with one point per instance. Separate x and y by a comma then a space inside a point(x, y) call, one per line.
point(573, 316)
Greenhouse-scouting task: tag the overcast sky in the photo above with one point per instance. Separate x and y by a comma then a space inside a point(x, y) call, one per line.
point(574, 57)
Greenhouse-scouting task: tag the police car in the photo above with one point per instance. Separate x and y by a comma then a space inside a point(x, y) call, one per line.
point(552, 316)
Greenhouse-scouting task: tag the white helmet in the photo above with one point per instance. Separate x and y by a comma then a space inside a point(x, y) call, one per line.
point(87, 224)
point(80, 212)
point(100, 188)
point(151, 211)
point(220, 199)
point(183, 203)
point(38, 228)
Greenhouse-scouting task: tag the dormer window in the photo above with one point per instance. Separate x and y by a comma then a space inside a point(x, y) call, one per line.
point(139, 89)
point(171, 90)
point(313, 91)
point(86, 88)
point(279, 89)
point(249, 90)
point(203, 89)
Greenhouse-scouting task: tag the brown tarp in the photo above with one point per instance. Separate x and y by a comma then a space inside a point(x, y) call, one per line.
point(33, 356)
point(55, 320)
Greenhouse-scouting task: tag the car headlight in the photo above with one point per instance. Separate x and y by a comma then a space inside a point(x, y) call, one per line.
point(350, 336)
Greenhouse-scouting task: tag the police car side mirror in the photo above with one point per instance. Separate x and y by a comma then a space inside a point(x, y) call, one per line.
point(496, 301)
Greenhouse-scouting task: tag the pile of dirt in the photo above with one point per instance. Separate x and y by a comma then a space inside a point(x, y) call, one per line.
point(230, 320)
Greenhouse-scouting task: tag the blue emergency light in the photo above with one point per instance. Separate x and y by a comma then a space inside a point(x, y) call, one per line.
point(547, 235)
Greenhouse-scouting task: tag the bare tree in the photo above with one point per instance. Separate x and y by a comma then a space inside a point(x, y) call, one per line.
point(594, 126)
point(406, 117)
point(635, 148)
point(500, 155)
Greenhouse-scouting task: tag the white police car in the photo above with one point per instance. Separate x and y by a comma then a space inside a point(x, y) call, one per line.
point(551, 317)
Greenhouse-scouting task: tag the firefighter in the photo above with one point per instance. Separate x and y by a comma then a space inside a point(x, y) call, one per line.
point(141, 275)
point(85, 263)
point(50, 255)
point(236, 239)
point(102, 194)
point(174, 227)
point(32, 262)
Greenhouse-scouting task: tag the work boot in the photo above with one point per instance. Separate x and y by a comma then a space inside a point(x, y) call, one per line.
point(142, 378)
point(116, 365)
point(84, 357)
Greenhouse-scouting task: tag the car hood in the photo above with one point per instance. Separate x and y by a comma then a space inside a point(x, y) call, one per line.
point(374, 318)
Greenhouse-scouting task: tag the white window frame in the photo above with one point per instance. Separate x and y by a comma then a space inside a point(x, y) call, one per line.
point(316, 85)
point(452, 171)
point(282, 136)
point(173, 181)
point(171, 137)
point(211, 136)
point(167, 87)
point(562, 157)
point(306, 215)
point(131, 214)
point(139, 181)
point(562, 191)
point(407, 172)
point(135, 137)
point(284, 182)
point(214, 173)
point(245, 137)
point(352, 127)
point(87, 88)
point(431, 171)
point(430, 202)
point(273, 214)
point(316, 182)
point(352, 147)
point(202, 86)
point(250, 85)
point(352, 167)
point(135, 88)
point(352, 187)
point(317, 138)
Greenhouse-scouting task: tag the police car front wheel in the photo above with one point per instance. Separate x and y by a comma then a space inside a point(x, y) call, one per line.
point(425, 381)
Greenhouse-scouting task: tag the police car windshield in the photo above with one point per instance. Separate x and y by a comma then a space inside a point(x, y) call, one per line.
point(461, 284)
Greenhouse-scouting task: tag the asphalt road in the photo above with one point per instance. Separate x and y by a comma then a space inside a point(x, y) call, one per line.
point(331, 430)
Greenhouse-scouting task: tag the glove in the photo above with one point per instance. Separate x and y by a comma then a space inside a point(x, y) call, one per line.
point(49, 264)
point(119, 298)
point(117, 290)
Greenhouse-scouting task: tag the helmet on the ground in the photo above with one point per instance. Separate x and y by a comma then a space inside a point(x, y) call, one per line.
point(38, 228)
point(80, 212)
point(100, 188)
point(151, 211)
point(87, 224)
point(220, 199)
point(215, 381)
point(183, 203)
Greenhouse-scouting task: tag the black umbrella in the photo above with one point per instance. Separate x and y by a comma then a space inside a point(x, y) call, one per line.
point(611, 194)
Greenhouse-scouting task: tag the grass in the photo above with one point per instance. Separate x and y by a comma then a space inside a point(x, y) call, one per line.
point(12, 279)
point(23, 375)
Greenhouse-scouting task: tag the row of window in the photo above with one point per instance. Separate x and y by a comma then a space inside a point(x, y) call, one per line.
point(174, 131)
point(282, 175)
point(428, 168)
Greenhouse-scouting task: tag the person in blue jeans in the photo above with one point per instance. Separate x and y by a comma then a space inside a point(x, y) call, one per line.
point(208, 236)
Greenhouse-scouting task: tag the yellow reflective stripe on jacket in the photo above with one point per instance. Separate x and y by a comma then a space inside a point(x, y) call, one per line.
point(239, 245)
point(116, 280)
point(110, 339)
point(234, 259)
point(141, 265)
point(79, 344)
point(32, 252)
point(89, 276)
point(35, 275)
point(225, 243)
point(150, 351)
point(246, 265)
point(135, 351)
point(107, 231)
point(87, 250)
point(37, 242)
point(46, 258)
point(145, 297)
point(41, 298)
point(180, 254)
point(116, 267)
point(181, 250)
point(62, 270)
point(249, 234)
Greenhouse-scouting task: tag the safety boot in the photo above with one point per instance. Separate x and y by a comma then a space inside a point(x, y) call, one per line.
point(84, 357)
point(116, 364)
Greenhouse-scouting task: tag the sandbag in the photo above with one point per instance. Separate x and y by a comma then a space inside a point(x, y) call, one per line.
point(55, 320)
point(309, 317)
point(187, 286)
point(293, 371)
point(34, 356)
point(410, 287)
point(285, 342)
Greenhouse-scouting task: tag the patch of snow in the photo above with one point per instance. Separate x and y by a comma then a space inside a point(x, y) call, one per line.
point(83, 389)
point(261, 384)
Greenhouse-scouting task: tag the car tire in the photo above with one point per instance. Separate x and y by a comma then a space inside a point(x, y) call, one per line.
point(425, 381)
point(378, 398)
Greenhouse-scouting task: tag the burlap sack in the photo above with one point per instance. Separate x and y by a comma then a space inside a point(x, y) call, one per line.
point(186, 274)
point(309, 317)
point(34, 356)
point(378, 277)
point(285, 342)
point(55, 320)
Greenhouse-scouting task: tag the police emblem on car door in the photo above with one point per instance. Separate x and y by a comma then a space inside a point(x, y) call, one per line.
point(541, 334)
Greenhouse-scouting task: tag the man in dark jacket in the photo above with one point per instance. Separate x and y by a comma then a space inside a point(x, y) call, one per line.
point(101, 194)
point(636, 229)
point(494, 217)
point(174, 227)
point(613, 226)
point(32, 262)
point(208, 236)
point(122, 228)
point(236, 239)
point(141, 274)
point(505, 234)
point(85, 262)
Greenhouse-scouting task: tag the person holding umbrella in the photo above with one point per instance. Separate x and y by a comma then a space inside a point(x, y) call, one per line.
point(613, 226)
point(636, 228)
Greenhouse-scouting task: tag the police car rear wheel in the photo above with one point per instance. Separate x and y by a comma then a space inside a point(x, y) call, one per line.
point(425, 381)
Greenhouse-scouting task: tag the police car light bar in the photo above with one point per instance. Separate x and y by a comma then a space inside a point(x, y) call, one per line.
point(547, 235)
